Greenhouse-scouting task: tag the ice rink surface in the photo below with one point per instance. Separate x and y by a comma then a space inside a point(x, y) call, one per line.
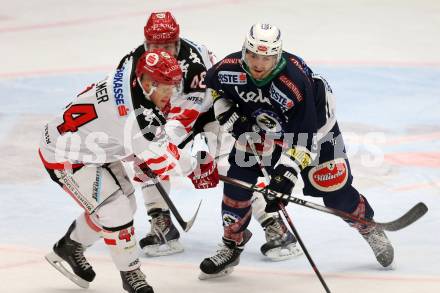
point(382, 60)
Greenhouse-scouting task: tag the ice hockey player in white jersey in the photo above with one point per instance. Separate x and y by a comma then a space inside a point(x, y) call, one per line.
point(187, 107)
point(118, 118)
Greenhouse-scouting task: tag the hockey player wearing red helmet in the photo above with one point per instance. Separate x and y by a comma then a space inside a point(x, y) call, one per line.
point(159, 76)
point(187, 107)
point(114, 119)
point(162, 31)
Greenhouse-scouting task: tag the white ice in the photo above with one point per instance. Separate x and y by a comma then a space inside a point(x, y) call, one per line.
point(382, 60)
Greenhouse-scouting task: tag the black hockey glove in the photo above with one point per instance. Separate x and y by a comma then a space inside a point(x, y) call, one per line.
point(282, 180)
point(236, 123)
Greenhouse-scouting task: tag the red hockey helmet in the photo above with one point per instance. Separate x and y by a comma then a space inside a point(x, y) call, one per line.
point(160, 66)
point(161, 28)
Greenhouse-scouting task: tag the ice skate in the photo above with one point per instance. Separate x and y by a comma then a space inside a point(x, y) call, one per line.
point(226, 258)
point(71, 252)
point(134, 282)
point(163, 238)
point(281, 244)
point(380, 244)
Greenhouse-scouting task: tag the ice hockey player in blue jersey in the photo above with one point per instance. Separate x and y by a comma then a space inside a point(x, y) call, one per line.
point(272, 99)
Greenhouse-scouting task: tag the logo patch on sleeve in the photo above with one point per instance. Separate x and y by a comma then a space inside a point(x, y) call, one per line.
point(329, 176)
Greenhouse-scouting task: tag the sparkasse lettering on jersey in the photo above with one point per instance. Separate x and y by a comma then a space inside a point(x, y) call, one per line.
point(278, 96)
point(252, 97)
point(118, 91)
point(232, 77)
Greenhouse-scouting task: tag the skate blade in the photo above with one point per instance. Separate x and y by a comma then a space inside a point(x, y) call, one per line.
point(56, 262)
point(284, 253)
point(224, 273)
point(171, 247)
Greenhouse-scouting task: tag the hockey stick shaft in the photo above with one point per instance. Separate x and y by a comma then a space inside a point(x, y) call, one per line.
point(306, 252)
point(405, 220)
point(257, 157)
point(186, 225)
point(286, 215)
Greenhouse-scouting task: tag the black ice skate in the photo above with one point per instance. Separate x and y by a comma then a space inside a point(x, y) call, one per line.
point(381, 245)
point(134, 282)
point(163, 238)
point(281, 244)
point(71, 252)
point(226, 257)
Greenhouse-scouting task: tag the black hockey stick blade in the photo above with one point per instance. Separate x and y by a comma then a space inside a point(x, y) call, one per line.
point(415, 213)
point(405, 220)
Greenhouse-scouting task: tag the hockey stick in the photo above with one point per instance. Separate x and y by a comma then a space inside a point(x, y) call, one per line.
point(286, 215)
point(415, 213)
point(295, 232)
point(186, 225)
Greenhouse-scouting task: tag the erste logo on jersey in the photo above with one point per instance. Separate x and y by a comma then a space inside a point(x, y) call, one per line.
point(278, 96)
point(119, 92)
point(232, 77)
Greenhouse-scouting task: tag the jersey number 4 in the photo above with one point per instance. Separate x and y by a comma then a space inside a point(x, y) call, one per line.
point(76, 116)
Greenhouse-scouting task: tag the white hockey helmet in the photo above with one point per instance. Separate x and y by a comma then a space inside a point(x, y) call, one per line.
point(263, 39)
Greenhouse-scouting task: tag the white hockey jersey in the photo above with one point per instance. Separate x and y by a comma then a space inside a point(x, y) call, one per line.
point(109, 121)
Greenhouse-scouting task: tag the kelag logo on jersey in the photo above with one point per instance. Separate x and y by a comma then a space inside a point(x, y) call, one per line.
point(278, 96)
point(252, 96)
point(232, 77)
point(119, 92)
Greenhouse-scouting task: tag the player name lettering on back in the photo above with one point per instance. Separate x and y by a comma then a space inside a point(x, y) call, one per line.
point(101, 92)
point(252, 96)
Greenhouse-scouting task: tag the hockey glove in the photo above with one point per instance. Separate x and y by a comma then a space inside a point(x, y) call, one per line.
point(283, 180)
point(206, 174)
point(236, 123)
